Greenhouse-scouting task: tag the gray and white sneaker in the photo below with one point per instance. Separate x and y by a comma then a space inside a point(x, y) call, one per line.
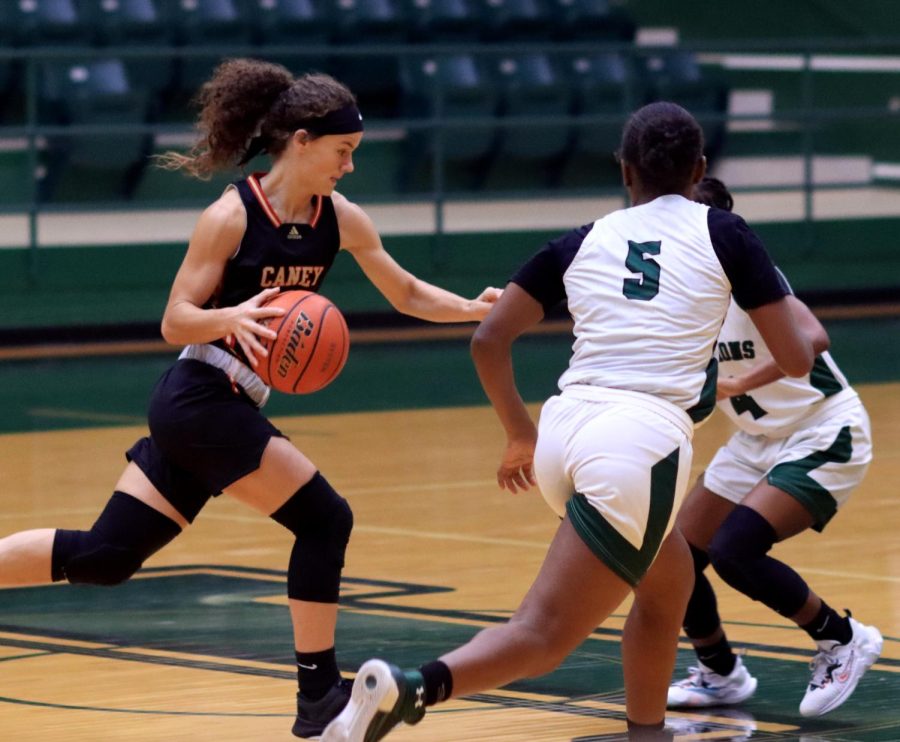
point(703, 687)
point(837, 669)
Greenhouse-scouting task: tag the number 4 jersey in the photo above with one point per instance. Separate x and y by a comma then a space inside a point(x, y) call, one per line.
point(648, 288)
point(777, 409)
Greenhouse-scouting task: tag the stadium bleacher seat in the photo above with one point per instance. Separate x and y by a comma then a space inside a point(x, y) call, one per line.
point(437, 21)
point(374, 78)
point(141, 25)
point(592, 20)
point(677, 76)
point(212, 25)
point(530, 154)
point(292, 23)
point(92, 165)
point(516, 20)
point(604, 84)
point(122, 22)
point(49, 23)
point(458, 88)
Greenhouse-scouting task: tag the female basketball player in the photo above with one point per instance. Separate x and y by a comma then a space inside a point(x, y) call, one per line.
point(207, 434)
point(648, 288)
point(802, 446)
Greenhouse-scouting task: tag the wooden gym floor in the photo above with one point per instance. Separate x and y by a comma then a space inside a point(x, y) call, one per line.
point(198, 647)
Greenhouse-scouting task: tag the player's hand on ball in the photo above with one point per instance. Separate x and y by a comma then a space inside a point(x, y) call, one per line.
point(247, 324)
point(516, 471)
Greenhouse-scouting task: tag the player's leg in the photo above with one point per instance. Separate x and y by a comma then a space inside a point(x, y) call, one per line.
point(698, 520)
point(209, 429)
point(545, 628)
point(650, 637)
point(846, 648)
point(548, 624)
point(814, 472)
point(720, 677)
point(628, 468)
point(25, 557)
point(136, 522)
point(288, 488)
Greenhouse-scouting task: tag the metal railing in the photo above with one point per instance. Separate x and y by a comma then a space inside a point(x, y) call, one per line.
point(807, 114)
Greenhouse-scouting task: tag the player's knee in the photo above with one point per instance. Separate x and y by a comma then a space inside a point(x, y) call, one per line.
point(322, 521)
point(317, 511)
point(92, 562)
point(743, 539)
point(124, 536)
point(547, 655)
point(542, 644)
point(342, 522)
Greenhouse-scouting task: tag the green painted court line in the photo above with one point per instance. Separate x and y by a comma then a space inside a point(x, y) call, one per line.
point(26, 656)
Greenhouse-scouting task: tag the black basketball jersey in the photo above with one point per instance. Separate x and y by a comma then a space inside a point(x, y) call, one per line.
point(274, 253)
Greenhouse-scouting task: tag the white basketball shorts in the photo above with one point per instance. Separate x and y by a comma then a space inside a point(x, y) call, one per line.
point(618, 464)
point(819, 465)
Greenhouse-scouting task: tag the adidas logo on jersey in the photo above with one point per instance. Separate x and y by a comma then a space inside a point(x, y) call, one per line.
point(294, 234)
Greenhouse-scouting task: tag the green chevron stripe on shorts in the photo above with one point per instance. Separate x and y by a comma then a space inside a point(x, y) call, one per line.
point(822, 378)
point(608, 544)
point(793, 477)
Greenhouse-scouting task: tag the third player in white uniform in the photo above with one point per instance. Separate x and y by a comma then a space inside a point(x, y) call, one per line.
point(802, 445)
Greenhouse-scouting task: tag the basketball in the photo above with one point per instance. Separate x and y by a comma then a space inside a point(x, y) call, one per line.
point(311, 346)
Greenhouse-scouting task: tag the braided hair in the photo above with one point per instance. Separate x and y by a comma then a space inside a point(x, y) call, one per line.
point(663, 143)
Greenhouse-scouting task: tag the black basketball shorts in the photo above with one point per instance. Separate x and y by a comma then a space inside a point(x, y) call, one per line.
point(205, 434)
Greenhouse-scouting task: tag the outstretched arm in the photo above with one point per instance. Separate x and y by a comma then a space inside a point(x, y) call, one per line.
point(514, 312)
point(405, 292)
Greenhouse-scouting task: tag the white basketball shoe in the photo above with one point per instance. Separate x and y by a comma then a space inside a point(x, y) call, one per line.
point(703, 687)
point(837, 669)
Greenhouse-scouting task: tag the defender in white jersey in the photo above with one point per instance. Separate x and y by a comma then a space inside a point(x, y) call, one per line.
point(802, 445)
point(648, 288)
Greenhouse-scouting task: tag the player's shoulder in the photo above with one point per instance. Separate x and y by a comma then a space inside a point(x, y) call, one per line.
point(348, 213)
point(227, 213)
point(356, 227)
point(723, 220)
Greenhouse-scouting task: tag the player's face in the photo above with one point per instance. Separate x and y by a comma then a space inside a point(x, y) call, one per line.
point(329, 158)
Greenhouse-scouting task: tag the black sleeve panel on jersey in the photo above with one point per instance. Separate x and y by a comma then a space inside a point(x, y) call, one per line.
point(784, 281)
point(755, 280)
point(542, 275)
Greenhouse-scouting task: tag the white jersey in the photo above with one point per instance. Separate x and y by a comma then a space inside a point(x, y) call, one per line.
point(648, 288)
point(778, 408)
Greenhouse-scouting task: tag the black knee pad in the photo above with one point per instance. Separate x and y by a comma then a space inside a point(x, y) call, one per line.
point(739, 555)
point(127, 533)
point(322, 521)
point(742, 540)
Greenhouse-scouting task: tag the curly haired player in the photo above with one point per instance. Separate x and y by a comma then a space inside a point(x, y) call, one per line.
point(268, 231)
